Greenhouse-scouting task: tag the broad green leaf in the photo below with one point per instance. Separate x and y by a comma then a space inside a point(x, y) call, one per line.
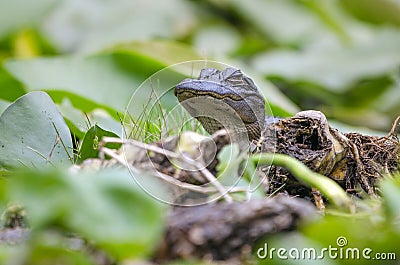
point(379, 12)
point(3, 105)
point(46, 249)
point(391, 195)
point(79, 121)
point(228, 167)
point(336, 67)
point(102, 24)
point(33, 133)
point(106, 207)
point(381, 237)
point(165, 53)
point(90, 143)
point(389, 102)
point(18, 14)
point(331, 16)
point(117, 213)
point(227, 37)
point(357, 105)
point(342, 235)
point(96, 78)
point(108, 79)
point(284, 21)
point(277, 103)
point(52, 248)
point(10, 88)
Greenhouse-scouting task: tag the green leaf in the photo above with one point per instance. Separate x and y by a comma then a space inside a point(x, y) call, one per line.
point(3, 105)
point(11, 89)
point(342, 235)
point(79, 121)
point(228, 167)
point(50, 248)
point(227, 38)
point(90, 143)
point(116, 213)
point(336, 67)
point(165, 53)
point(120, 22)
point(391, 195)
point(381, 236)
point(367, 10)
point(45, 249)
point(95, 78)
point(33, 133)
point(106, 80)
point(22, 13)
point(282, 20)
point(106, 207)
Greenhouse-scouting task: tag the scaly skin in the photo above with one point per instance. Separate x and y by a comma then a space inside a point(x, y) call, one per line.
point(216, 97)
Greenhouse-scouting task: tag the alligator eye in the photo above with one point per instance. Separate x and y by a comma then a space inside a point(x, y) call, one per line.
point(235, 79)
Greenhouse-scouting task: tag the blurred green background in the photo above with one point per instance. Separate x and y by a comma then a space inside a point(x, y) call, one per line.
point(341, 57)
point(338, 56)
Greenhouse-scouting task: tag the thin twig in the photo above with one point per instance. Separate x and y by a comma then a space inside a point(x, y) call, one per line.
point(62, 142)
point(54, 146)
point(165, 177)
point(41, 155)
point(206, 173)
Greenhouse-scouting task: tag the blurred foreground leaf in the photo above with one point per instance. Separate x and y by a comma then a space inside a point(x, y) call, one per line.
point(391, 191)
point(106, 207)
point(344, 239)
point(45, 250)
point(33, 133)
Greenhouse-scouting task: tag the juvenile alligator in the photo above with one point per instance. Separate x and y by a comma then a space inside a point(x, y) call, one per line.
point(225, 98)
point(231, 100)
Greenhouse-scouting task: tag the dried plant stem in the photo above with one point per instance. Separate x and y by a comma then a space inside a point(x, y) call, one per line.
point(204, 171)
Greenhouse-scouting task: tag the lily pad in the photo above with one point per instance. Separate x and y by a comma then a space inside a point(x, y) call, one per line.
point(3, 105)
point(79, 122)
point(336, 67)
point(366, 10)
point(107, 79)
point(21, 13)
point(106, 206)
point(33, 133)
